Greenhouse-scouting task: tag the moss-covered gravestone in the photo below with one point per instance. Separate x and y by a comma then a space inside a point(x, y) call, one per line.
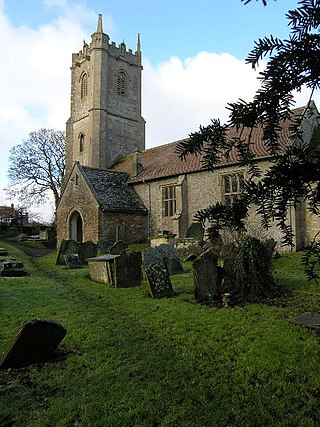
point(35, 342)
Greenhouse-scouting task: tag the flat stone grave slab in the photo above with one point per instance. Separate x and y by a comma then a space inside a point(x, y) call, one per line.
point(159, 281)
point(308, 320)
point(35, 342)
point(101, 269)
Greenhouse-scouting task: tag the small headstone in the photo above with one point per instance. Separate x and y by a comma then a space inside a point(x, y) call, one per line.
point(205, 277)
point(66, 247)
point(87, 250)
point(121, 232)
point(73, 261)
point(195, 231)
point(159, 281)
point(118, 247)
point(35, 342)
point(3, 252)
point(128, 269)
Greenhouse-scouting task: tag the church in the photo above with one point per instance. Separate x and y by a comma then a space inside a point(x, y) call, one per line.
point(115, 188)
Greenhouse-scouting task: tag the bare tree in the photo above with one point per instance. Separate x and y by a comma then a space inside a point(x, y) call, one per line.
point(36, 167)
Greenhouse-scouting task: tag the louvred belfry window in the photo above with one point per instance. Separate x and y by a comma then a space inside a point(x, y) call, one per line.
point(122, 84)
point(84, 85)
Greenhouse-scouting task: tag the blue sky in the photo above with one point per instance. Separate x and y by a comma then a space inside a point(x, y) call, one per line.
point(193, 57)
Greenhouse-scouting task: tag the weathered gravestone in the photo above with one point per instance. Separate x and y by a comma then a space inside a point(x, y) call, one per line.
point(128, 269)
point(164, 255)
point(159, 281)
point(118, 247)
point(87, 250)
point(66, 247)
point(205, 276)
point(35, 342)
point(73, 261)
point(195, 231)
point(121, 232)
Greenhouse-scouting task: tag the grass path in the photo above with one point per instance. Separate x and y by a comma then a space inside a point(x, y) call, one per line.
point(134, 361)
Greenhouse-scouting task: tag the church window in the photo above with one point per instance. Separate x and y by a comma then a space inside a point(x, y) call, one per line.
point(169, 203)
point(81, 142)
point(84, 85)
point(232, 187)
point(122, 84)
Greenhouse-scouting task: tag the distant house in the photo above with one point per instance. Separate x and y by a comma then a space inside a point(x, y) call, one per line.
point(9, 216)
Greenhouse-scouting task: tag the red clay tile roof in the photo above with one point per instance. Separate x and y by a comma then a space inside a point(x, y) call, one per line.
point(163, 161)
point(7, 211)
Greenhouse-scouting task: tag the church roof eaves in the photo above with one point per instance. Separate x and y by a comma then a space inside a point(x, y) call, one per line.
point(163, 161)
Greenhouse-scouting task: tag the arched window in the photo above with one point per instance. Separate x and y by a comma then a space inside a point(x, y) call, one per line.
point(84, 85)
point(81, 142)
point(122, 84)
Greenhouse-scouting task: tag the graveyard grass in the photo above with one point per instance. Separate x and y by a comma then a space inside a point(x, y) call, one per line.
point(131, 360)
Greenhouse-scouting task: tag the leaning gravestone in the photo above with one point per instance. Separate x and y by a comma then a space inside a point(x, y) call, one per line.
point(159, 281)
point(66, 247)
point(164, 255)
point(73, 261)
point(118, 247)
point(128, 269)
point(87, 250)
point(35, 342)
point(205, 276)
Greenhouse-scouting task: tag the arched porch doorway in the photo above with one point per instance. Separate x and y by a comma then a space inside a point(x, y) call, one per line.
point(76, 227)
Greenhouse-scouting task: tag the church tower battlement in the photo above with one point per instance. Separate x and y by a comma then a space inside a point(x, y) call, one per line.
point(105, 121)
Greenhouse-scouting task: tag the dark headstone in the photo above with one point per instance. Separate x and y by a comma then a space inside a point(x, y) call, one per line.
point(118, 247)
point(205, 277)
point(35, 342)
point(165, 255)
point(159, 281)
point(12, 268)
point(195, 231)
point(66, 247)
point(73, 261)
point(128, 269)
point(121, 232)
point(87, 250)
point(3, 252)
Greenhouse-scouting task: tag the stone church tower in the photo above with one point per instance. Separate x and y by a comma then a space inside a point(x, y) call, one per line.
point(106, 121)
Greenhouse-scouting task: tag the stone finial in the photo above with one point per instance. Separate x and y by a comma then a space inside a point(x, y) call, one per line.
point(99, 27)
point(138, 44)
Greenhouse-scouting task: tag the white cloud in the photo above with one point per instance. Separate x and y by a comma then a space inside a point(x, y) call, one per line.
point(181, 95)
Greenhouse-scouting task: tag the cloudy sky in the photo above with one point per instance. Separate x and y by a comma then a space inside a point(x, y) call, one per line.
point(193, 55)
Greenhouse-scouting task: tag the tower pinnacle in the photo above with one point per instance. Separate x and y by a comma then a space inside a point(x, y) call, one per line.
point(99, 28)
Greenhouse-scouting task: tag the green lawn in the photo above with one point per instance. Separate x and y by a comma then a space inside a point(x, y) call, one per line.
point(135, 361)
